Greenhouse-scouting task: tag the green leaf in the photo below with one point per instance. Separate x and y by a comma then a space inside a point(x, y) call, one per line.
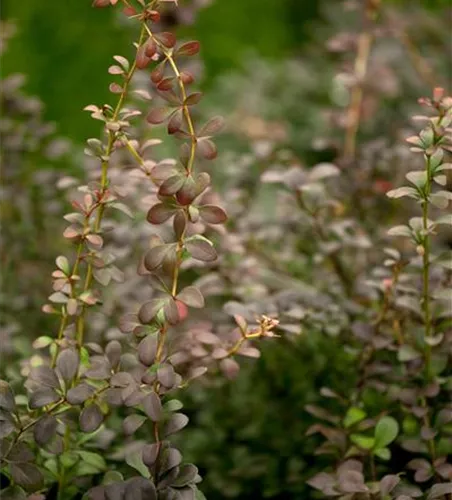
point(199, 495)
point(364, 442)
point(13, 493)
point(112, 476)
point(68, 459)
point(385, 432)
point(436, 159)
point(135, 460)
point(418, 178)
point(173, 405)
point(94, 459)
point(383, 453)
point(353, 416)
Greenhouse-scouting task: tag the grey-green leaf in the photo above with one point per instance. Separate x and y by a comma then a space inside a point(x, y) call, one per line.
point(386, 431)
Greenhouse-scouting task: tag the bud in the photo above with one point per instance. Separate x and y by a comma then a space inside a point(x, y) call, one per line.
point(387, 284)
point(438, 94)
point(420, 250)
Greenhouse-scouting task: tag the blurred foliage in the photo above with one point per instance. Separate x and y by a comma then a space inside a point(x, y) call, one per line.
point(61, 45)
point(249, 441)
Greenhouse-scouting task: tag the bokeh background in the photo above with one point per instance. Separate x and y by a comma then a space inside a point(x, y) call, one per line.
point(62, 45)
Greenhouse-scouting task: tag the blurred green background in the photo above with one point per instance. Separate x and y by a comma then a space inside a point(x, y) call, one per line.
point(61, 45)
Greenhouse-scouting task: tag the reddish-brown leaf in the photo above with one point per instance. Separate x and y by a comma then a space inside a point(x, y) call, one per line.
point(207, 149)
point(158, 72)
point(166, 83)
point(175, 122)
point(172, 185)
point(212, 214)
point(193, 99)
point(150, 48)
point(149, 310)
point(188, 49)
point(186, 77)
point(167, 39)
point(179, 224)
point(160, 213)
point(192, 297)
point(142, 60)
point(154, 257)
point(157, 115)
point(201, 250)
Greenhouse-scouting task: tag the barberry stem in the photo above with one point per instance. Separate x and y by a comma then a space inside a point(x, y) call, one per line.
point(361, 64)
point(426, 270)
point(80, 328)
point(183, 92)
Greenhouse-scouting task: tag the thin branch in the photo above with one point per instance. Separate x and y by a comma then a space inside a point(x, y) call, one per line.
point(360, 71)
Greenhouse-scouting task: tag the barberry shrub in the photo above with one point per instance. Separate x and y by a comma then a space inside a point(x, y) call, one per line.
point(94, 416)
point(390, 437)
point(100, 416)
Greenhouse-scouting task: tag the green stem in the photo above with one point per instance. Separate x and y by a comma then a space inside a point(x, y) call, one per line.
point(80, 327)
point(426, 272)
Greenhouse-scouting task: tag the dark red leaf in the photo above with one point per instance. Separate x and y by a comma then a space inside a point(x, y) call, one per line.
point(160, 212)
